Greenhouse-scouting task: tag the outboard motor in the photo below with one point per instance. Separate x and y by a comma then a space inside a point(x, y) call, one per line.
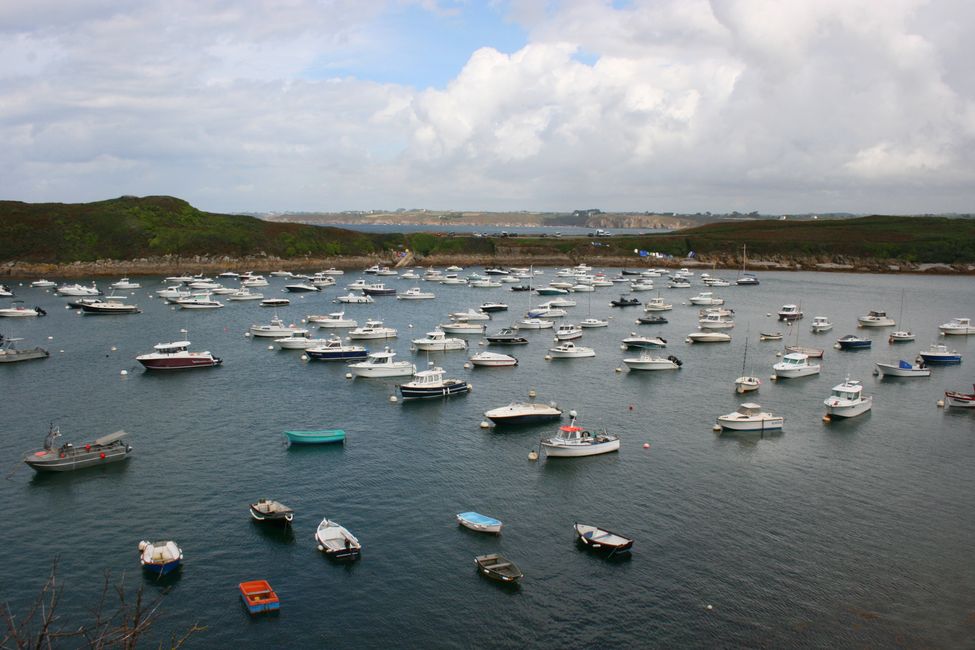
point(40, 312)
point(676, 361)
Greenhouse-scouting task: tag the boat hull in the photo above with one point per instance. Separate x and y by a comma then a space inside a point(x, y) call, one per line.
point(893, 370)
point(447, 389)
point(180, 363)
point(323, 437)
point(258, 597)
point(337, 355)
point(11, 356)
point(57, 460)
point(602, 540)
point(479, 522)
point(751, 424)
point(960, 400)
point(793, 373)
point(556, 450)
point(839, 409)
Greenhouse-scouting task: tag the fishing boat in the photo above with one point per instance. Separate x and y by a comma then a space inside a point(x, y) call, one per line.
point(506, 336)
point(902, 369)
point(68, 457)
point(875, 319)
point(109, 307)
point(275, 329)
point(244, 294)
point(160, 557)
point(336, 541)
point(705, 298)
point(415, 293)
point(462, 327)
point(480, 523)
point(820, 324)
point(523, 413)
point(964, 400)
point(795, 364)
point(750, 417)
point(335, 320)
point(939, 354)
point(176, 356)
point(378, 289)
point(600, 539)
point(373, 329)
point(497, 567)
point(199, 302)
point(573, 441)
point(847, 400)
point(334, 350)
point(624, 301)
point(10, 353)
point(589, 323)
point(438, 341)
point(852, 342)
point(432, 382)
point(790, 312)
point(493, 359)
point(657, 304)
point(569, 350)
point(125, 285)
point(652, 319)
point(636, 342)
point(568, 332)
point(957, 327)
point(271, 511)
point(258, 596)
point(381, 364)
point(707, 336)
point(647, 361)
point(315, 437)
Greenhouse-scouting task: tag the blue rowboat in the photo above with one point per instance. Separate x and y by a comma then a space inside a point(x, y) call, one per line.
point(853, 342)
point(320, 437)
point(479, 522)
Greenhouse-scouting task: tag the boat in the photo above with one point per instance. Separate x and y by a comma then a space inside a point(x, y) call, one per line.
point(812, 353)
point(496, 271)
point(852, 342)
point(637, 341)
point(432, 383)
point(939, 354)
point(469, 315)
point(101, 451)
point(108, 307)
point(568, 332)
point(820, 324)
point(506, 336)
point(520, 287)
point(534, 324)
point(770, 336)
point(254, 281)
point(955, 398)
point(462, 327)
point(705, 298)
point(795, 364)
point(652, 319)
point(336, 541)
point(271, 511)
point(333, 271)
point(901, 336)
point(354, 298)
point(17, 310)
point(593, 322)
point(299, 341)
point(847, 400)
point(378, 289)
point(547, 312)
point(381, 364)
point(176, 356)
point(301, 287)
point(124, 285)
point(199, 302)
point(258, 596)
point(600, 539)
point(903, 369)
point(43, 284)
point(315, 437)
point(160, 557)
point(745, 279)
point(491, 307)
point(646, 361)
point(573, 441)
point(750, 417)
point(273, 274)
point(334, 350)
point(493, 359)
point(552, 291)
point(275, 329)
point(558, 302)
point(746, 383)
point(957, 327)
point(484, 283)
point(875, 319)
point(480, 523)
point(373, 329)
point(707, 336)
point(244, 294)
point(790, 312)
point(415, 293)
point(10, 353)
point(497, 567)
point(335, 320)
point(275, 302)
point(679, 283)
point(569, 350)
point(438, 341)
point(523, 413)
point(623, 301)
point(77, 290)
point(716, 321)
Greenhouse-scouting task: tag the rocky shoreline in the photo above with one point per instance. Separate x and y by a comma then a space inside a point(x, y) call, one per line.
point(264, 264)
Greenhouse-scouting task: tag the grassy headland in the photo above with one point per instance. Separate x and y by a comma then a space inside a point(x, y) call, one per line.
point(156, 234)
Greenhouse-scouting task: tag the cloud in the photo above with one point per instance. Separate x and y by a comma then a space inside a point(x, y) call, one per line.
point(677, 105)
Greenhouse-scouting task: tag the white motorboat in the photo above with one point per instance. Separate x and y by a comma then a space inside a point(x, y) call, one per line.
point(244, 294)
point(470, 315)
point(570, 350)
point(568, 332)
point(593, 322)
point(583, 288)
point(333, 271)
point(875, 319)
point(415, 293)
point(901, 336)
point(750, 417)
point(493, 359)
point(336, 541)
point(335, 320)
point(17, 310)
point(76, 290)
point(820, 324)
point(716, 321)
point(276, 329)
point(547, 312)
point(637, 341)
point(939, 354)
point(204, 285)
point(354, 299)
point(485, 283)
point(299, 341)
point(462, 327)
point(790, 312)
point(795, 364)
point(647, 361)
point(679, 283)
point(705, 298)
point(381, 364)
point(902, 369)
point(173, 292)
point(572, 441)
point(438, 341)
point(321, 280)
point(373, 329)
point(43, 284)
point(125, 284)
point(273, 274)
point(747, 384)
point(334, 350)
point(301, 287)
point(959, 399)
point(707, 336)
point(847, 400)
point(358, 285)
point(109, 307)
point(957, 327)
point(199, 302)
point(657, 304)
point(491, 307)
point(431, 383)
point(523, 413)
point(275, 302)
point(641, 285)
point(254, 281)
point(378, 289)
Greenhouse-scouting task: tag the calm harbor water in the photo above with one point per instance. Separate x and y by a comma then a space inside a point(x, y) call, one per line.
point(849, 533)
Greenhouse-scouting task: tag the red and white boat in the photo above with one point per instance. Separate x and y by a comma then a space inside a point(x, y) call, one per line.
point(964, 400)
point(176, 356)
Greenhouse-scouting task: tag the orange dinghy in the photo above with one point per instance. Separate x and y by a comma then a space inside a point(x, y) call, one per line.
point(259, 597)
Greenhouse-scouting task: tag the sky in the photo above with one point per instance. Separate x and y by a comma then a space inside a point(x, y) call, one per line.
point(779, 106)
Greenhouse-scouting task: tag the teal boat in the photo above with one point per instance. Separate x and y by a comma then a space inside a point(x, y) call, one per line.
point(320, 437)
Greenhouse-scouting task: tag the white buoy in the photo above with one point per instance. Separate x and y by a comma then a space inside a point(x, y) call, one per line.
point(533, 455)
point(548, 357)
point(124, 372)
point(709, 607)
point(716, 427)
point(270, 347)
point(467, 365)
point(532, 394)
point(67, 306)
point(767, 315)
point(618, 369)
point(50, 338)
point(572, 413)
point(392, 398)
point(778, 354)
point(941, 403)
point(485, 424)
point(773, 377)
point(247, 335)
point(304, 357)
point(826, 418)
point(114, 349)
point(348, 375)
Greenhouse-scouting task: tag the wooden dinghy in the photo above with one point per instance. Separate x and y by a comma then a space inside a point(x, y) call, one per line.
point(600, 539)
point(497, 567)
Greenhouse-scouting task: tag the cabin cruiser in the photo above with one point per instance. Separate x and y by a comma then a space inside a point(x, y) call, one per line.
point(43, 284)
point(707, 336)
point(381, 364)
point(506, 336)
point(716, 321)
point(76, 290)
point(939, 354)
point(847, 400)
point(795, 364)
point(301, 287)
point(568, 332)
point(334, 350)
point(852, 342)
point(299, 341)
point(109, 306)
point(354, 298)
point(415, 293)
point(462, 327)
point(275, 329)
point(657, 304)
point(373, 329)
point(573, 441)
point(593, 322)
point(750, 417)
point(570, 350)
point(438, 341)
point(635, 340)
point(957, 326)
point(432, 383)
point(244, 294)
point(176, 356)
point(124, 284)
point(334, 320)
point(705, 298)
point(875, 319)
point(378, 289)
point(647, 361)
point(820, 324)
point(790, 312)
point(199, 302)
point(469, 315)
point(493, 359)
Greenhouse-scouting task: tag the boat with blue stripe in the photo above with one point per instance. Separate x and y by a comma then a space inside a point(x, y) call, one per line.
point(480, 523)
point(319, 437)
